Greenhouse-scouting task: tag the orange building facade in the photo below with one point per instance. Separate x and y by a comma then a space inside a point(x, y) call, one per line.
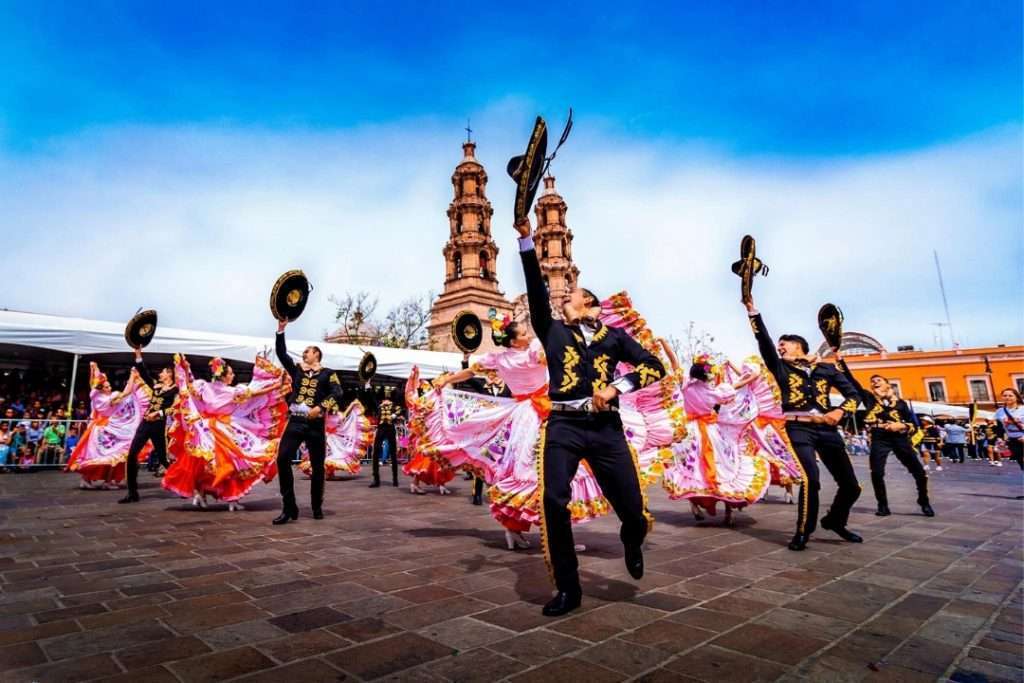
point(956, 376)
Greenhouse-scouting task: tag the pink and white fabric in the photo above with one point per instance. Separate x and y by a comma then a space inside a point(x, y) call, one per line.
point(713, 463)
point(758, 410)
point(497, 438)
point(349, 434)
point(232, 431)
point(102, 452)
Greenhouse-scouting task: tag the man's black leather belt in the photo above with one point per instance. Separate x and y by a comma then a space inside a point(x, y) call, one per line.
point(585, 409)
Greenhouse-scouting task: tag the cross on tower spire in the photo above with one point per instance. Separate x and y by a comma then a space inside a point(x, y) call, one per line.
point(469, 132)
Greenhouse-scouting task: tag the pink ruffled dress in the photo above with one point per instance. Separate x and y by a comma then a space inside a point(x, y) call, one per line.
point(497, 438)
point(714, 463)
point(102, 452)
point(228, 437)
point(758, 410)
point(349, 434)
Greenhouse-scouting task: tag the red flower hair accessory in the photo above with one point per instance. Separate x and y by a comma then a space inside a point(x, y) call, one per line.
point(499, 326)
point(218, 367)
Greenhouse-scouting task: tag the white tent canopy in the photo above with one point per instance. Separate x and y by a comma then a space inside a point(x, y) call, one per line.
point(933, 409)
point(85, 337)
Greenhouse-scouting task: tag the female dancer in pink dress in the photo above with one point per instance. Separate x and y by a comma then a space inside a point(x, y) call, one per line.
point(730, 448)
point(758, 409)
point(709, 465)
point(349, 434)
point(424, 470)
point(102, 452)
point(497, 437)
point(229, 434)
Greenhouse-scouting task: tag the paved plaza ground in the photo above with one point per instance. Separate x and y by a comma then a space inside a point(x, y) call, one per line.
point(395, 586)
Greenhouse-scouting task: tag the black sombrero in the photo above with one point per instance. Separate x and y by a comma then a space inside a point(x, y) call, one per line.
point(830, 322)
point(747, 267)
point(526, 169)
point(289, 296)
point(467, 331)
point(367, 367)
point(140, 329)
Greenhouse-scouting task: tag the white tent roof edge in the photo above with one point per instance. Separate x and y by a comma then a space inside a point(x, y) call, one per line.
point(85, 337)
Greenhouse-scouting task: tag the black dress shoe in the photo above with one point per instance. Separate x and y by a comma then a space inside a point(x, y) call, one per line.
point(799, 542)
point(927, 510)
point(635, 561)
point(318, 514)
point(840, 531)
point(130, 498)
point(882, 511)
point(477, 500)
point(374, 485)
point(562, 603)
point(285, 517)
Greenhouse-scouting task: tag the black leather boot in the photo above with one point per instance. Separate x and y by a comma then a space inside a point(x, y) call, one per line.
point(562, 603)
point(840, 531)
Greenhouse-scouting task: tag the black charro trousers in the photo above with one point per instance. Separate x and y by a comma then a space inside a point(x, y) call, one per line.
point(599, 439)
point(297, 432)
point(881, 446)
point(809, 439)
point(385, 433)
point(154, 432)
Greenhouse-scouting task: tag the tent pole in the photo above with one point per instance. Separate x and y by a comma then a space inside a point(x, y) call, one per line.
point(71, 404)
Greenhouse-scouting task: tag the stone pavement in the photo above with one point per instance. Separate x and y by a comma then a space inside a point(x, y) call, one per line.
point(395, 586)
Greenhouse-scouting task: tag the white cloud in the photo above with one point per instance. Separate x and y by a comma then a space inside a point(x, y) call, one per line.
point(197, 222)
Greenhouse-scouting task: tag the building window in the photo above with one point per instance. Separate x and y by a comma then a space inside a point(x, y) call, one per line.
point(895, 384)
point(978, 387)
point(485, 271)
point(458, 265)
point(936, 390)
point(544, 249)
point(1018, 383)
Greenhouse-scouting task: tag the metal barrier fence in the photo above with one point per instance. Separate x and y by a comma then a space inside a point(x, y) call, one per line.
point(28, 444)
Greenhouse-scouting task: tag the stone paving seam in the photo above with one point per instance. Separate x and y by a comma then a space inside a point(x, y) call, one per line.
point(983, 631)
point(811, 657)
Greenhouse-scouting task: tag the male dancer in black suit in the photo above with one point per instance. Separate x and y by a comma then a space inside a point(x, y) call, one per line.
point(582, 354)
point(315, 390)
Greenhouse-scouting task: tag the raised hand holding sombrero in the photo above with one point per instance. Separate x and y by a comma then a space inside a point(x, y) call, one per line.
point(747, 267)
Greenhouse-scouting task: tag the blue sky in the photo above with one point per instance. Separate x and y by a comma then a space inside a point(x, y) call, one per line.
point(869, 132)
point(795, 78)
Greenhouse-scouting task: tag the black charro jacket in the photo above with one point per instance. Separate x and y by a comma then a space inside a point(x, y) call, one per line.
point(803, 387)
point(576, 369)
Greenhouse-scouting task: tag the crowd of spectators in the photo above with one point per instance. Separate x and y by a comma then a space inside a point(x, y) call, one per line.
point(34, 419)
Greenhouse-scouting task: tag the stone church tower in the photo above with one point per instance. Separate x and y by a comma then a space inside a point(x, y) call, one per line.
point(553, 241)
point(470, 257)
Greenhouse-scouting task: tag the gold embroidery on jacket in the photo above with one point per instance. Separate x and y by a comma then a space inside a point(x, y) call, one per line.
point(648, 375)
point(796, 384)
point(570, 360)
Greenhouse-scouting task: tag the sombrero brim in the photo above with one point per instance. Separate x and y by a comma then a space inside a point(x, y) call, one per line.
point(367, 367)
point(141, 329)
point(526, 169)
point(289, 295)
point(830, 322)
point(467, 331)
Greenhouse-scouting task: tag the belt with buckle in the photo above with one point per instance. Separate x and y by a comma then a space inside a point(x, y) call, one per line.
point(586, 408)
point(807, 419)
